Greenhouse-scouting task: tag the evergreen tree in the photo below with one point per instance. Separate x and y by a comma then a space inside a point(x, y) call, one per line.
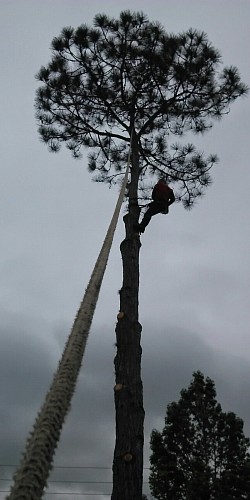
point(126, 81)
point(202, 452)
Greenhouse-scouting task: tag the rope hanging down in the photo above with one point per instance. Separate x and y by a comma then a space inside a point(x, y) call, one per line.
point(31, 477)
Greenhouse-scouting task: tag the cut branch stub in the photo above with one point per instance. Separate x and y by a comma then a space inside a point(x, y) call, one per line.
point(118, 387)
point(127, 457)
point(120, 315)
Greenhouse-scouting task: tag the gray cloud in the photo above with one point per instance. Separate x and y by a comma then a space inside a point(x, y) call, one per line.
point(170, 355)
point(194, 304)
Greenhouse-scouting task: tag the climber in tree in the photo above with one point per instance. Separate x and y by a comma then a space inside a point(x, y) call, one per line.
point(163, 196)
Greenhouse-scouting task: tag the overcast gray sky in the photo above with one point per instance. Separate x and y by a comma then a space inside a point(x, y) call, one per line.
point(194, 289)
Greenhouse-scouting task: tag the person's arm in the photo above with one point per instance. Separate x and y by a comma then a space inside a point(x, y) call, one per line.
point(154, 193)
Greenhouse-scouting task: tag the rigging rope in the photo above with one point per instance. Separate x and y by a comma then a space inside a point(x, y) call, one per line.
point(31, 477)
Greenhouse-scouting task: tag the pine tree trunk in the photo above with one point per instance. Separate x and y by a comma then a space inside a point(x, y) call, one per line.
point(128, 454)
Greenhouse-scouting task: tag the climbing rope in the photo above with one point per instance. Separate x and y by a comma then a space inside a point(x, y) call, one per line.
point(30, 479)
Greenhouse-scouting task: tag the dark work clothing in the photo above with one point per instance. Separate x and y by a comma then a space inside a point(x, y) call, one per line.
point(163, 196)
point(162, 192)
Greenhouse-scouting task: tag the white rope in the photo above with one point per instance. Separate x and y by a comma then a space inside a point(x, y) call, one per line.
point(31, 477)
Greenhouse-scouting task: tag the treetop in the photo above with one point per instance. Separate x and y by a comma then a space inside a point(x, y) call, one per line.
point(128, 74)
point(202, 452)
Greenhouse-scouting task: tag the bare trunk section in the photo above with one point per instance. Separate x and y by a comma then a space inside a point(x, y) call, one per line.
point(128, 455)
point(31, 476)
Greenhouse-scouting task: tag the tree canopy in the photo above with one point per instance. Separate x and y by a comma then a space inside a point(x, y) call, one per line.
point(129, 74)
point(202, 452)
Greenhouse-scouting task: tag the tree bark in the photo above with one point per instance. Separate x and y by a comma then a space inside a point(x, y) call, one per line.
point(128, 454)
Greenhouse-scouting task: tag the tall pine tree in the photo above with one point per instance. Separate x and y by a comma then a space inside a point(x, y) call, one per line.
point(126, 81)
point(202, 452)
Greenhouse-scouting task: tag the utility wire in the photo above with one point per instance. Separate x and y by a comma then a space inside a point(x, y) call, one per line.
point(71, 467)
point(64, 481)
point(69, 493)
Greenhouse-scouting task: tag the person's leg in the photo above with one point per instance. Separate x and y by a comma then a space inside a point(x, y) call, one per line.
point(153, 209)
